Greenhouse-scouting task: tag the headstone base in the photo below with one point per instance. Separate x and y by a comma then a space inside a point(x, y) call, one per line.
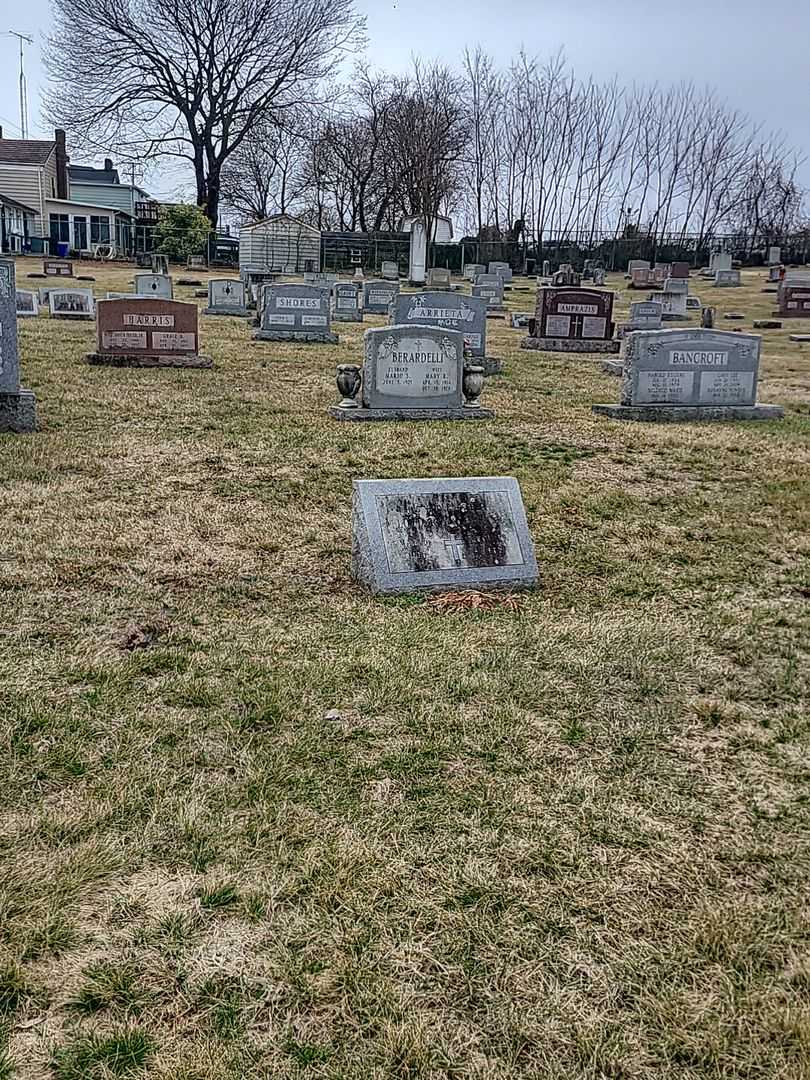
point(77, 316)
point(410, 414)
point(343, 316)
point(241, 312)
point(685, 413)
point(294, 335)
point(18, 412)
point(133, 360)
point(569, 345)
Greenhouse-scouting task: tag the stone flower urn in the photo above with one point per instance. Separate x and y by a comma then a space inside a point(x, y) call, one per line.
point(472, 385)
point(348, 384)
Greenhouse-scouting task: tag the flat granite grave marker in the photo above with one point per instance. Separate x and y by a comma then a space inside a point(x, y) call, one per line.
point(727, 279)
point(57, 268)
point(27, 304)
point(412, 373)
point(675, 375)
point(17, 405)
point(441, 534)
point(467, 314)
point(378, 296)
point(296, 313)
point(154, 285)
point(71, 304)
point(347, 307)
point(573, 320)
point(142, 331)
point(226, 296)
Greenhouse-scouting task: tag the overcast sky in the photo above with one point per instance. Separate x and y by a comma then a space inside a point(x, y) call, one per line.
point(754, 51)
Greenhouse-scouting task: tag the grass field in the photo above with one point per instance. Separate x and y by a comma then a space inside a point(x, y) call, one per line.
point(257, 824)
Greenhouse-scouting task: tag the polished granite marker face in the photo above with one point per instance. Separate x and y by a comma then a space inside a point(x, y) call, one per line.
point(467, 533)
point(296, 313)
point(450, 311)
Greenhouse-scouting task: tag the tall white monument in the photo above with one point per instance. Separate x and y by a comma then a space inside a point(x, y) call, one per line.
point(418, 263)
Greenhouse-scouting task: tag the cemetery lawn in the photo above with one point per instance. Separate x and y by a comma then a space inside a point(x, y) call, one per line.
point(255, 823)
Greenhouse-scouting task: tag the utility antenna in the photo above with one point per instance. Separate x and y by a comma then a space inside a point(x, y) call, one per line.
point(23, 87)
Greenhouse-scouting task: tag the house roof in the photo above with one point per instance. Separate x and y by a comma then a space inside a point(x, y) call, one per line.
point(25, 151)
point(86, 174)
point(16, 205)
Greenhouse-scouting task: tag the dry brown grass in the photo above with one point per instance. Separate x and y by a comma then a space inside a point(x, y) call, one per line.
point(255, 823)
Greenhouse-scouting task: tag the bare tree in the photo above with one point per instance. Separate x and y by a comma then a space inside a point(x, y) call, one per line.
point(189, 78)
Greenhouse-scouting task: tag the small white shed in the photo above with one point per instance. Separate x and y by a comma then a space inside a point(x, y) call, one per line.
point(281, 243)
point(442, 228)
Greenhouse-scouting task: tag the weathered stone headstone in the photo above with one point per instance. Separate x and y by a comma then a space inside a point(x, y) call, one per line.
point(378, 296)
point(441, 534)
point(644, 315)
point(226, 296)
point(674, 299)
point(640, 277)
point(721, 260)
point(637, 264)
point(320, 278)
point(412, 373)
point(599, 276)
point(467, 314)
point(390, 271)
point(417, 264)
point(147, 332)
point(27, 305)
point(690, 375)
point(546, 268)
point(347, 306)
point(71, 304)
point(573, 320)
point(296, 313)
point(472, 271)
point(57, 268)
point(503, 269)
point(727, 279)
point(493, 294)
point(17, 405)
point(160, 265)
point(775, 274)
point(774, 256)
point(438, 278)
point(154, 285)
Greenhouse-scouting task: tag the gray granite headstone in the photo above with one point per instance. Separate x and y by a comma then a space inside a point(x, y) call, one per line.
point(390, 271)
point(727, 279)
point(645, 315)
point(158, 285)
point(17, 406)
point(226, 296)
point(472, 270)
point(71, 304)
point(441, 534)
point(347, 307)
point(503, 269)
point(690, 374)
point(296, 313)
point(721, 260)
point(378, 296)
point(27, 304)
point(450, 311)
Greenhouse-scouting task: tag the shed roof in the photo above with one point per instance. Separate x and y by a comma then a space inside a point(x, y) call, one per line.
point(274, 218)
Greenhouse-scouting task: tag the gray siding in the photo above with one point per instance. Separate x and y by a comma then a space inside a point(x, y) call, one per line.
point(279, 244)
point(119, 196)
point(30, 185)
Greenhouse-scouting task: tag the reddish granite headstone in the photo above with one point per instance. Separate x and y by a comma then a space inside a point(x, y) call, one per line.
point(794, 301)
point(679, 270)
point(147, 332)
point(573, 320)
point(57, 268)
